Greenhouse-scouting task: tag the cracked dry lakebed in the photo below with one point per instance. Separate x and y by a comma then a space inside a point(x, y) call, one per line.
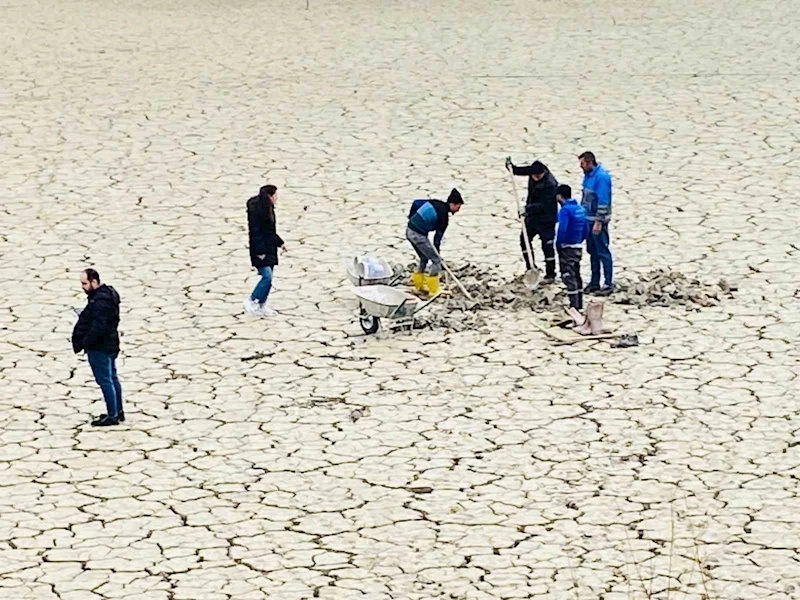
point(471, 458)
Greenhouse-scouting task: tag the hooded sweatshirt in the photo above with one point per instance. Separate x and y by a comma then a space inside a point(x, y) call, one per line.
point(572, 227)
point(432, 215)
point(429, 215)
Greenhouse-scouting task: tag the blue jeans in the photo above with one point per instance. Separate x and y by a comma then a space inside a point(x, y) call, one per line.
point(264, 285)
point(104, 369)
point(599, 254)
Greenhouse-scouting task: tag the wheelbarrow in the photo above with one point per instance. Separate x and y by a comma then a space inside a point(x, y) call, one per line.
point(376, 302)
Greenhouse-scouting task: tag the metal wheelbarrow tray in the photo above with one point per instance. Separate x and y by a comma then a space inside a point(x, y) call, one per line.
point(378, 302)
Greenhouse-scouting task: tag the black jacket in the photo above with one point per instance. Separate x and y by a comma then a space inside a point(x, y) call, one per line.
point(97, 325)
point(541, 207)
point(434, 218)
point(261, 227)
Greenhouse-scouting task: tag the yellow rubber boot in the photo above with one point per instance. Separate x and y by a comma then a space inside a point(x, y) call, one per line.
point(418, 281)
point(432, 283)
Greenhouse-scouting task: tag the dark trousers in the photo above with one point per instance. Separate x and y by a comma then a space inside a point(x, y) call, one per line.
point(569, 263)
point(547, 234)
point(425, 250)
point(104, 369)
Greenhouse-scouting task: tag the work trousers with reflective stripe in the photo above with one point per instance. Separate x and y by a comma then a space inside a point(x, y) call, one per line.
point(547, 234)
point(569, 263)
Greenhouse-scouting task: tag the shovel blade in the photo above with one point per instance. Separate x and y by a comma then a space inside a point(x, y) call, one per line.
point(531, 279)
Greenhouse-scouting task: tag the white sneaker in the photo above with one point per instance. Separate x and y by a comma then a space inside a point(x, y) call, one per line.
point(250, 306)
point(266, 311)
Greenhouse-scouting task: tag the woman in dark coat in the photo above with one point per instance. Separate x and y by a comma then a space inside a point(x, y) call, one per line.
point(264, 244)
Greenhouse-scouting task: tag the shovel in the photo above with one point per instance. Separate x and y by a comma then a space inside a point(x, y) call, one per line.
point(533, 275)
point(458, 283)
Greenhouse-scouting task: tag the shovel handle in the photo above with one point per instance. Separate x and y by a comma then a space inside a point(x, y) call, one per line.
point(514, 185)
point(449, 272)
point(458, 283)
point(522, 220)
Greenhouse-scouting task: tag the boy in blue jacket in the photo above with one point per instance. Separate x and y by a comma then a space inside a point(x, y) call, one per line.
point(426, 216)
point(572, 230)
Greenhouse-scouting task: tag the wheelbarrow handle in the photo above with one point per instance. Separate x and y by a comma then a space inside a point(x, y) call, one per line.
point(425, 305)
point(397, 308)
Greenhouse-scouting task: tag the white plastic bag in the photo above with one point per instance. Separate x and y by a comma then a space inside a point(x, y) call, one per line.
point(372, 268)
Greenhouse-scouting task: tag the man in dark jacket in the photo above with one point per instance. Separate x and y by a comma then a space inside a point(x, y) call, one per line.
point(264, 244)
point(541, 213)
point(96, 334)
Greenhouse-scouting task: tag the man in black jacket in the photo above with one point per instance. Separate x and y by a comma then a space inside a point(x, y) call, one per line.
point(541, 213)
point(96, 334)
point(264, 244)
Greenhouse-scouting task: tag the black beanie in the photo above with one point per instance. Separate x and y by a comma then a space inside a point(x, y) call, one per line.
point(537, 168)
point(455, 197)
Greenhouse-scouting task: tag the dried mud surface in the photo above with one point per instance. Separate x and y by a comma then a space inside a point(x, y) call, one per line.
point(492, 292)
point(294, 458)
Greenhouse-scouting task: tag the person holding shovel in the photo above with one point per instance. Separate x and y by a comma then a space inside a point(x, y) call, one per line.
point(540, 213)
point(424, 217)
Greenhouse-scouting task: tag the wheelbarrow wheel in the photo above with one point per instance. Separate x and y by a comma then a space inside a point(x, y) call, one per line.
point(369, 323)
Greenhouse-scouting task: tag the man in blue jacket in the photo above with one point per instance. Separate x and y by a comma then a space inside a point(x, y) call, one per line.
point(424, 217)
point(596, 201)
point(572, 230)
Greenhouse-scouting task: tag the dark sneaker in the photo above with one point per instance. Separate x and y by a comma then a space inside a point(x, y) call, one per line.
point(548, 280)
point(605, 291)
point(105, 421)
point(591, 289)
point(121, 416)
